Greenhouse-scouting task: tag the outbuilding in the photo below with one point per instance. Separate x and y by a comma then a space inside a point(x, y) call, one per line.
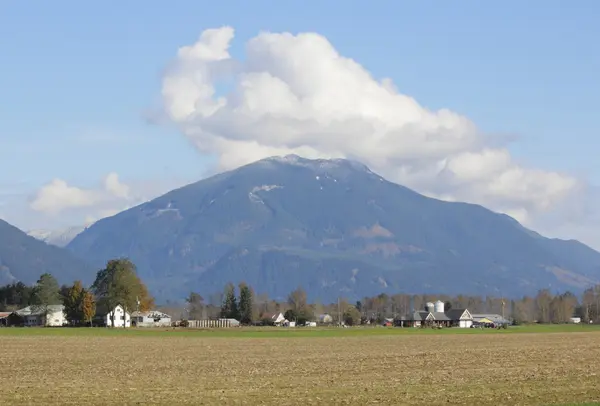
point(152, 318)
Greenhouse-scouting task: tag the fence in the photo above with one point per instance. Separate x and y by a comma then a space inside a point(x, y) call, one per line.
point(219, 323)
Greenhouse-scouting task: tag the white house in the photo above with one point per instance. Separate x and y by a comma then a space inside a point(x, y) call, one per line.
point(49, 316)
point(122, 319)
point(278, 319)
point(152, 318)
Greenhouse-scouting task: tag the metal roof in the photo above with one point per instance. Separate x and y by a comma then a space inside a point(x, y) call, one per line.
point(439, 316)
point(151, 313)
point(496, 318)
point(455, 314)
point(38, 310)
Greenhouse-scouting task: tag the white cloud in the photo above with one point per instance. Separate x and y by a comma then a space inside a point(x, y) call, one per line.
point(297, 94)
point(113, 186)
point(58, 204)
point(57, 196)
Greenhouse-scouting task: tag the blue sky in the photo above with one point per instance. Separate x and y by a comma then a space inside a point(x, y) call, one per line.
point(79, 80)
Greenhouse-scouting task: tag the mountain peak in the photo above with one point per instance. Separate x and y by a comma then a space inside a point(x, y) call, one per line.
point(333, 227)
point(317, 164)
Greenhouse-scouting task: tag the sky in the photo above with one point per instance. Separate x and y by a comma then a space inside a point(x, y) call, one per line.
point(103, 107)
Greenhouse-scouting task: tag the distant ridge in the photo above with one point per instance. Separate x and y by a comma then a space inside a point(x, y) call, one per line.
point(24, 258)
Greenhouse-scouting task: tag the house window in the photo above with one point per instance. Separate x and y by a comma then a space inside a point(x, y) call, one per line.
point(122, 317)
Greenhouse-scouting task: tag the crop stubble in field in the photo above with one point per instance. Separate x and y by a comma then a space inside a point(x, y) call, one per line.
point(434, 369)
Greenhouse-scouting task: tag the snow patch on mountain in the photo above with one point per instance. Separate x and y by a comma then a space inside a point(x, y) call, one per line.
point(320, 166)
point(59, 238)
point(265, 188)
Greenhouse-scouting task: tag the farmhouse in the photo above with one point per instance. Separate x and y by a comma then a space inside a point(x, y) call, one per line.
point(49, 316)
point(121, 318)
point(152, 318)
point(278, 319)
point(434, 314)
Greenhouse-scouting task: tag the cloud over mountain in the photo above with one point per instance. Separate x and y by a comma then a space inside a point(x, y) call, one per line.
point(58, 195)
point(297, 94)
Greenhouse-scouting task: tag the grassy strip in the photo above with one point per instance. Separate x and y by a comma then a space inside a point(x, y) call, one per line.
point(275, 332)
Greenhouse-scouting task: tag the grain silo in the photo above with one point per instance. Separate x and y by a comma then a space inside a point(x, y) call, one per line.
point(429, 307)
point(439, 306)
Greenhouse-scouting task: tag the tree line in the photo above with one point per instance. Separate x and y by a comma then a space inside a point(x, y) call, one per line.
point(116, 284)
point(251, 308)
point(119, 284)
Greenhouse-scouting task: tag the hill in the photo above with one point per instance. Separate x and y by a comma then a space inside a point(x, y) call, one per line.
point(24, 258)
point(335, 228)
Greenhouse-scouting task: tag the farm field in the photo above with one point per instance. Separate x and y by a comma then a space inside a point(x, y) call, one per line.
point(529, 365)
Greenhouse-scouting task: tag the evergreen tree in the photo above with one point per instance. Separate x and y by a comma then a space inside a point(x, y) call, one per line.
point(229, 309)
point(246, 305)
point(15, 296)
point(46, 293)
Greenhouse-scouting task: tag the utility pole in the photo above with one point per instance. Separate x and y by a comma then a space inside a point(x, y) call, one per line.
point(339, 313)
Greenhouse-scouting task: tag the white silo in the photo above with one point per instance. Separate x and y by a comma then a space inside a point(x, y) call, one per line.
point(439, 306)
point(429, 307)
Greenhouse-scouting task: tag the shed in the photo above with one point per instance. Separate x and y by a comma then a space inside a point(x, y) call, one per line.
point(152, 318)
point(51, 315)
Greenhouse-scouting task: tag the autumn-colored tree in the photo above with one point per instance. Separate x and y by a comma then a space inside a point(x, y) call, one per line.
point(88, 306)
point(72, 300)
point(146, 301)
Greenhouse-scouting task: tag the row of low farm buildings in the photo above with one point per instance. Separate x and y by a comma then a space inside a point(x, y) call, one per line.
point(54, 316)
point(434, 314)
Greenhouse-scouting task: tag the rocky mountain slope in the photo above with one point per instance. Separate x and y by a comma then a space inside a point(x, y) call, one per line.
point(335, 228)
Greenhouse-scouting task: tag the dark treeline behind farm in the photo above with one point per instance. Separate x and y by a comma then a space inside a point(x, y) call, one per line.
point(545, 307)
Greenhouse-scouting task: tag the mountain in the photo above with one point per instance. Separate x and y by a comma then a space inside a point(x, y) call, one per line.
point(24, 258)
point(59, 238)
point(335, 228)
